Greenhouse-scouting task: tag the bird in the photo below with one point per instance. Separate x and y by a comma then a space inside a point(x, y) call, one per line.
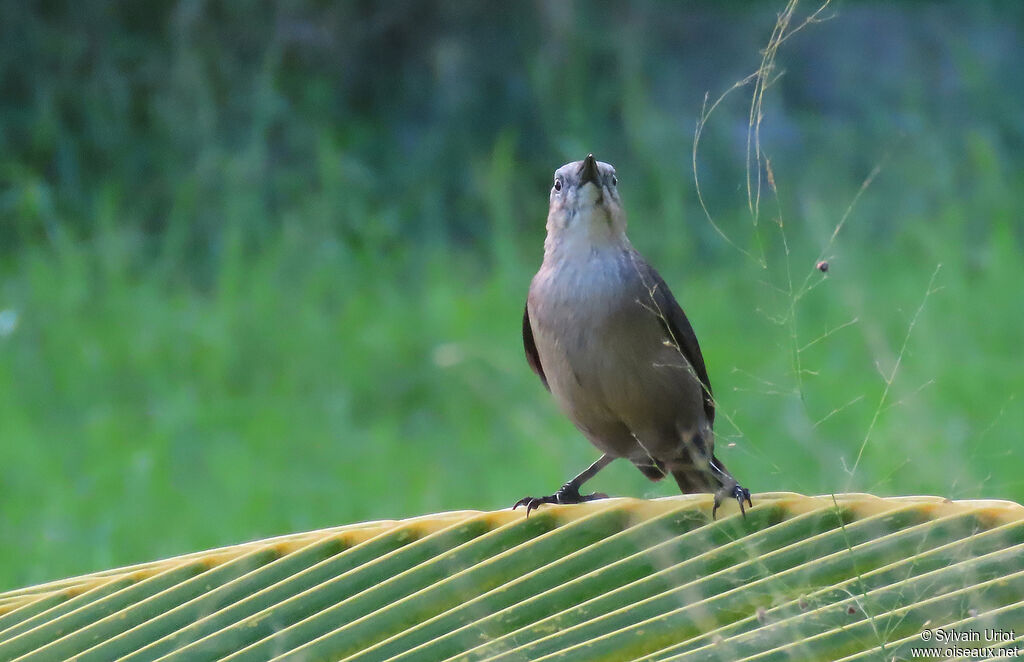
point(608, 339)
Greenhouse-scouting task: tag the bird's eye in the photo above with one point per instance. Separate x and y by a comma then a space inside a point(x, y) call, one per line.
point(558, 185)
point(615, 180)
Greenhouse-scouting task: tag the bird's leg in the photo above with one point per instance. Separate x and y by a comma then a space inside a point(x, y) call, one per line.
point(570, 492)
point(729, 488)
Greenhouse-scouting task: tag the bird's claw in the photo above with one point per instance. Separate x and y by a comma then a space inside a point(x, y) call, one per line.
point(737, 492)
point(565, 495)
point(532, 503)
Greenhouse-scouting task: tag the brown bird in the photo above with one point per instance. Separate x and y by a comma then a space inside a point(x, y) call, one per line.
point(605, 335)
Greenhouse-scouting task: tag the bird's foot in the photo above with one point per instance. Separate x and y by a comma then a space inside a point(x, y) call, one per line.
point(567, 493)
point(737, 492)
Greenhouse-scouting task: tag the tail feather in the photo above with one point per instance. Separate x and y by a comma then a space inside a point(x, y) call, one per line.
point(710, 478)
point(655, 470)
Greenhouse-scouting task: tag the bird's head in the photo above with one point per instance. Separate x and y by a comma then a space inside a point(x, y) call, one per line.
point(584, 206)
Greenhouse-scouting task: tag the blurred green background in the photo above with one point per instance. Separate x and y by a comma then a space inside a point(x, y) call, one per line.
point(262, 266)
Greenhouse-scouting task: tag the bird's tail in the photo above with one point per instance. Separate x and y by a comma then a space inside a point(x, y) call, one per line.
point(654, 469)
point(709, 478)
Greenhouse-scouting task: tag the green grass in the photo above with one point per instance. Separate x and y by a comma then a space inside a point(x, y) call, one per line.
point(307, 386)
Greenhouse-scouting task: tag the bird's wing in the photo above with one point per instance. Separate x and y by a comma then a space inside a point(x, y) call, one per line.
point(532, 357)
point(678, 327)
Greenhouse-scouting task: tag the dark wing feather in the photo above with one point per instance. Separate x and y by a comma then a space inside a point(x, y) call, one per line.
point(532, 357)
point(679, 328)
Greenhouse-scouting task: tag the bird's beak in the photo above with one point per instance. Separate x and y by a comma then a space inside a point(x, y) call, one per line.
point(589, 173)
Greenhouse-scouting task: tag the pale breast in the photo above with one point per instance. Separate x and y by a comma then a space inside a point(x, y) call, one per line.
point(603, 347)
